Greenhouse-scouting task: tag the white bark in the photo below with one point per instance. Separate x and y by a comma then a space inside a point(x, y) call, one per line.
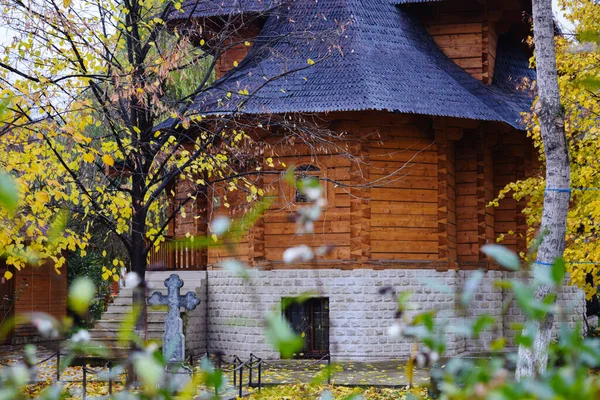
point(556, 203)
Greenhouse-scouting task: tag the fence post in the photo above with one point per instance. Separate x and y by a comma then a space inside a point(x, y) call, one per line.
point(259, 374)
point(329, 369)
point(110, 378)
point(250, 370)
point(241, 377)
point(58, 366)
point(84, 380)
point(234, 372)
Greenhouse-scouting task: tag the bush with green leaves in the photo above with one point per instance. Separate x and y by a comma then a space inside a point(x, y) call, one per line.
point(91, 266)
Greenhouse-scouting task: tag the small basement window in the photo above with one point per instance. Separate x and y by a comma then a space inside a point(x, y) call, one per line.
point(310, 319)
point(303, 172)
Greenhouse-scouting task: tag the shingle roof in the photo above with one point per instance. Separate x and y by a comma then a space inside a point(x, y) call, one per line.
point(414, 1)
point(217, 8)
point(384, 59)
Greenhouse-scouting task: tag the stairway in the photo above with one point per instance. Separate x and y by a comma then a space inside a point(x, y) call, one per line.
point(106, 330)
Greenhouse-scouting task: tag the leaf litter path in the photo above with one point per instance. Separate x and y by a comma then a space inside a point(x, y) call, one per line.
point(45, 372)
point(379, 373)
point(382, 374)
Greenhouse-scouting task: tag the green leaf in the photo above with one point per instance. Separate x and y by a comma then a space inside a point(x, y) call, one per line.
point(81, 293)
point(481, 323)
point(558, 271)
point(237, 268)
point(590, 83)
point(58, 226)
point(8, 192)
point(212, 377)
point(403, 299)
point(281, 335)
point(502, 256)
point(590, 36)
point(498, 344)
point(301, 298)
point(149, 371)
point(470, 287)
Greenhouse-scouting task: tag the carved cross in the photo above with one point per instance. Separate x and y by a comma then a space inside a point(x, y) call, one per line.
point(173, 339)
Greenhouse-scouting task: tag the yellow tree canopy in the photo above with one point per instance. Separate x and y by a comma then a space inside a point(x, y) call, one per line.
point(578, 64)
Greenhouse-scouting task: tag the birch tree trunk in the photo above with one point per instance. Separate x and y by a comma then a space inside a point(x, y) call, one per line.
point(532, 361)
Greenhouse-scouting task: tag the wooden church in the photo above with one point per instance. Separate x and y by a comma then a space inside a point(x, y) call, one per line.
point(428, 97)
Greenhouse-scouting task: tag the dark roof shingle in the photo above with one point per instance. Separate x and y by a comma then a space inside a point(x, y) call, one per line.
point(219, 8)
point(369, 55)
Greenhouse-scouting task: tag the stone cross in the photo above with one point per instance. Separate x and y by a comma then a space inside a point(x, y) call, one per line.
point(173, 339)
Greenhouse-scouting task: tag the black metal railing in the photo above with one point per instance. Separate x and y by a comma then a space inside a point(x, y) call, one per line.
point(255, 366)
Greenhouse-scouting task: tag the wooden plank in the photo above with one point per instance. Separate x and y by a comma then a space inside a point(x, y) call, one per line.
point(403, 208)
point(414, 221)
point(469, 62)
point(285, 241)
point(403, 256)
point(421, 195)
point(411, 169)
point(337, 253)
point(408, 143)
point(458, 39)
point(321, 227)
point(381, 246)
point(413, 156)
point(400, 234)
point(403, 181)
point(446, 29)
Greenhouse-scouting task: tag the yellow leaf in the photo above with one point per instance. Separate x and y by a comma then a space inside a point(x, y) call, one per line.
point(43, 198)
point(8, 275)
point(116, 278)
point(88, 157)
point(108, 160)
point(66, 3)
point(235, 64)
point(310, 61)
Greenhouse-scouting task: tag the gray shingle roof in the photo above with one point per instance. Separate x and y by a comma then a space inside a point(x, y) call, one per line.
point(414, 1)
point(218, 8)
point(382, 59)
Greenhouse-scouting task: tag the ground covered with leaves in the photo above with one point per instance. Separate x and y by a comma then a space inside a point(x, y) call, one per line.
point(294, 392)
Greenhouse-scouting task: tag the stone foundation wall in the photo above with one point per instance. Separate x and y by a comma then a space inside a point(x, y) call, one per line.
point(571, 302)
point(230, 317)
point(359, 315)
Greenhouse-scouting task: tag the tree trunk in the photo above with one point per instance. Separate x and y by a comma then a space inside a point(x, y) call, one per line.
point(532, 361)
point(138, 258)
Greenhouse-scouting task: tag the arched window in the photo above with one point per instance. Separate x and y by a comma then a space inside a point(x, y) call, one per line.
point(302, 172)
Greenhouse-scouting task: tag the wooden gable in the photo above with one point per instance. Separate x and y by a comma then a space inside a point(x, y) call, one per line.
point(467, 31)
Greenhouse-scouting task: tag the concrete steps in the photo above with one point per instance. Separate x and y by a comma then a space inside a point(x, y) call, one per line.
point(106, 330)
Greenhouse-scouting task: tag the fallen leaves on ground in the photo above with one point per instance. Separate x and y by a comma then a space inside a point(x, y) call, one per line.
point(297, 392)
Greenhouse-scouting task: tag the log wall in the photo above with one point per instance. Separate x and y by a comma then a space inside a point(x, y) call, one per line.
point(466, 33)
point(416, 199)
